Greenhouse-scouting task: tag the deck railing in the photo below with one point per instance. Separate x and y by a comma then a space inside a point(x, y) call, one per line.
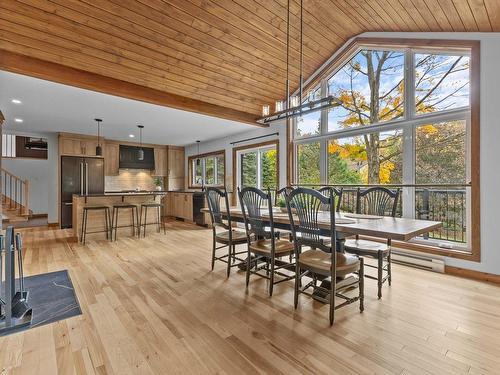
point(445, 203)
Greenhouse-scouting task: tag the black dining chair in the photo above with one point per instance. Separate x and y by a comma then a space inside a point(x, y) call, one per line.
point(378, 201)
point(281, 194)
point(322, 260)
point(228, 237)
point(264, 243)
point(337, 193)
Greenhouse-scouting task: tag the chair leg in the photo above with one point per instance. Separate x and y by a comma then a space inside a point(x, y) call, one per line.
point(140, 221)
point(297, 282)
point(84, 232)
point(137, 219)
point(271, 280)
point(389, 268)
point(158, 220)
point(133, 222)
point(83, 222)
point(213, 251)
point(145, 221)
point(116, 222)
point(106, 222)
point(361, 276)
point(380, 269)
point(333, 285)
point(249, 264)
point(229, 247)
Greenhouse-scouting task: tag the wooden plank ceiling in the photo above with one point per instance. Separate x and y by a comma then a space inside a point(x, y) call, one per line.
point(226, 56)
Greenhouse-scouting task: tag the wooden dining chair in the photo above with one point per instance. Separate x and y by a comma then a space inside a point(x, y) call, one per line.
point(382, 202)
point(228, 237)
point(338, 196)
point(264, 243)
point(281, 193)
point(345, 271)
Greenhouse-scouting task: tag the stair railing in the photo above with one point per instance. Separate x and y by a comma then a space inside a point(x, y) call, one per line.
point(15, 192)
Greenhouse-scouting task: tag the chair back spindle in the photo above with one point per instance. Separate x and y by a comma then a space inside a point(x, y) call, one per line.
point(214, 202)
point(308, 206)
point(254, 203)
point(377, 201)
point(338, 197)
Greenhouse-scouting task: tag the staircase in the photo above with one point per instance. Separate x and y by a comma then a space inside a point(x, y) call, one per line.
point(15, 198)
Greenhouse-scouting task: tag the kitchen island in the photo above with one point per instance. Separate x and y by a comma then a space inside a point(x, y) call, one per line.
point(96, 219)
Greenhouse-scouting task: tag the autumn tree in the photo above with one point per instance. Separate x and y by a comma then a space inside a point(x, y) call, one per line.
point(372, 91)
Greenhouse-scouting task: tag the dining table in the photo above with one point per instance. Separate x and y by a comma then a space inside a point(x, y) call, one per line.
point(346, 225)
point(349, 224)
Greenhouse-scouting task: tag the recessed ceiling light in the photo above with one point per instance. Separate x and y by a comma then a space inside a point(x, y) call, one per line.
point(16, 101)
point(18, 120)
point(131, 136)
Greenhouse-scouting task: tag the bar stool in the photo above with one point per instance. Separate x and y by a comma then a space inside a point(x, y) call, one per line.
point(134, 211)
point(159, 222)
point(107, 217)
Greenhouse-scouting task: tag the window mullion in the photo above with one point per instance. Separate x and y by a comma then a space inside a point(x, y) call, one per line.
point(409, 91)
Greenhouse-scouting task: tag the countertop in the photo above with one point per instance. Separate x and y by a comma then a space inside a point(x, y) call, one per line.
point(137, 193)
point(124, 193)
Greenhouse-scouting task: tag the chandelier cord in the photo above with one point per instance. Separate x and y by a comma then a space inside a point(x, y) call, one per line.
point(287, 55)
point(301, 77)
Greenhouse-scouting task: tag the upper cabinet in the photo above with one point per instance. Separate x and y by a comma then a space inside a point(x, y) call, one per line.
point(169, 160)
point(111, 159)
point(161, 163)
point(175, 162)
point(76, 145)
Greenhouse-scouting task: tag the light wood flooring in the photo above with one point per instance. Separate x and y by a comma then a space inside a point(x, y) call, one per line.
point(152, 306)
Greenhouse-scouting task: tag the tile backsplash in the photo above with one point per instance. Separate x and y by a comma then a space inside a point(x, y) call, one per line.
point(130, 179)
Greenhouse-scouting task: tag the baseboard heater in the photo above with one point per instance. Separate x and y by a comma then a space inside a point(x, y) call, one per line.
point(418, 261)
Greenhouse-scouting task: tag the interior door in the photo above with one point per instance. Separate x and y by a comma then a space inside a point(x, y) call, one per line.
point(94, 172)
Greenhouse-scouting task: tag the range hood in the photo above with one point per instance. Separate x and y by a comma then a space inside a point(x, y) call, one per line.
point(129, 158)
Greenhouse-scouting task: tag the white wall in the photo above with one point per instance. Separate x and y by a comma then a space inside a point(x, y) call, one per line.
point(42, 175)
point(225, 144)
point(36, 172)
point(489, 139)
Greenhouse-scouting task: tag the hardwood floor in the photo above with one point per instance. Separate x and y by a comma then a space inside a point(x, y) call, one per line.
point(153, 306)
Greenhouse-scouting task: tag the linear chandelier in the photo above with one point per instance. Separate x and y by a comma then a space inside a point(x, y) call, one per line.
point(292, 106)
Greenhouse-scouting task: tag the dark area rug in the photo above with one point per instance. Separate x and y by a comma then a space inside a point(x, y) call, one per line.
point(52, 298)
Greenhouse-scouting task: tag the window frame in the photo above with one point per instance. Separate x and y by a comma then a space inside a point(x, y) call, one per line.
point(248, 148)
point(203, 157)
point(409, 123)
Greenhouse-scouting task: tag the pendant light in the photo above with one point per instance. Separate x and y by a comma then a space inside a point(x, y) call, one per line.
point(198, 160)
point(140, 153)
point(98, 148)
point(292, 105)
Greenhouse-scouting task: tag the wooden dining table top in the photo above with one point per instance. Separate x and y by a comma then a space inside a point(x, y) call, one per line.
point(396, 228)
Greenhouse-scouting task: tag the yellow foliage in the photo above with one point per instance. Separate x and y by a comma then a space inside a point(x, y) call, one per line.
point(428, 129)
point(385, 172)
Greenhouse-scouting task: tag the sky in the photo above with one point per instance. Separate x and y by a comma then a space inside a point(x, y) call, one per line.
point(309, 124)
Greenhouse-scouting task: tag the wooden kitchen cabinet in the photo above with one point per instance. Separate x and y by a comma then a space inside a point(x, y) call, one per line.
point(161, 161)
point(180, 205)
point(175, 162)
point(77, 145)
point(111, 159)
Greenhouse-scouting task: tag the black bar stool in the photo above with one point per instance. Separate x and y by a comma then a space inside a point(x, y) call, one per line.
point(133, 210)
point(159, 222)
point(107, 218)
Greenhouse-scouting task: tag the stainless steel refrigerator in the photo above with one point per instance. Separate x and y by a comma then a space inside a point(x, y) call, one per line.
point(82, 176)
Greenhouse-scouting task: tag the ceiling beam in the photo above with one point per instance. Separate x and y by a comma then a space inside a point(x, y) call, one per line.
point(30, 66)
